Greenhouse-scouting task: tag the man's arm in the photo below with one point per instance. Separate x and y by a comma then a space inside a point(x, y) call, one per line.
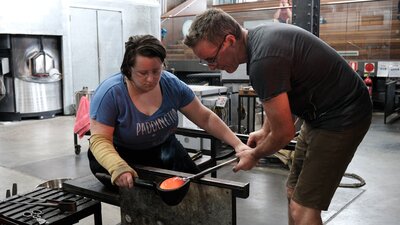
point(280, 125)
point(277, 131)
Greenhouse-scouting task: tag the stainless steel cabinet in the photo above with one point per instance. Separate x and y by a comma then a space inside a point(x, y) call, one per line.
point(208, 96)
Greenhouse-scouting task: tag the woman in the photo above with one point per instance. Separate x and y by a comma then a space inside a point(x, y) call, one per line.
point(134, 115)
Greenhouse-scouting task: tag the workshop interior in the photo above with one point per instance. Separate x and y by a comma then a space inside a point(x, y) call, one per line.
point(54, 53)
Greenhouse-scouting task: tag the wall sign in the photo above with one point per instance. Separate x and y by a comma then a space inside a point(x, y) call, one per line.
point(369, 67)
point(353, 65)
point(388, 69)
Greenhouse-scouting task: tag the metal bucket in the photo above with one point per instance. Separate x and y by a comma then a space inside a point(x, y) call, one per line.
point(54, 184)
point(79, 94)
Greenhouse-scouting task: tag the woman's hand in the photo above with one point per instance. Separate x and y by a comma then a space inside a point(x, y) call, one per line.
point(241, 147)
point(125, 180)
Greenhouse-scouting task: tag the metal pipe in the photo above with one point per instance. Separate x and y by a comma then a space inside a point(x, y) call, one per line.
point(274, 7)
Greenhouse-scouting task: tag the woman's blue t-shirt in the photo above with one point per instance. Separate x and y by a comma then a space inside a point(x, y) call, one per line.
point(112, 106)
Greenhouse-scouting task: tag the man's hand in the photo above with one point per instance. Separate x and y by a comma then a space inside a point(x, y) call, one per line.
point(246, 160)
point(256, 137)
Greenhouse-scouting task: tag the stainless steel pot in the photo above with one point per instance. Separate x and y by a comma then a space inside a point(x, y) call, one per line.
point(54, 184)
point(79, 94)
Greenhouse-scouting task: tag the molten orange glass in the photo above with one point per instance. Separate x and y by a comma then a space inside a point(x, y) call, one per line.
point(172, 183)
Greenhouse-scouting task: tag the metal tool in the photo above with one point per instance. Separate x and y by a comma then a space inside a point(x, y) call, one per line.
point(64, 205)
point(171, 197)
point(14, 189)
point(41, 199)
point(175, 196)
point(35, 214)
point(65, 201)
point(211, 169)
point(12, 192)
point(197, 155)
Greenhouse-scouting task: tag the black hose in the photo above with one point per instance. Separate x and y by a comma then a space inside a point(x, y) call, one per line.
point(353, 185)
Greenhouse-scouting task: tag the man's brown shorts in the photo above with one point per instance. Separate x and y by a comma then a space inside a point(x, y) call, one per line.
point(320, 160)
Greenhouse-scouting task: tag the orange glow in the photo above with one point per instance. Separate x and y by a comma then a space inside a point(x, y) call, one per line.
point(172, 183)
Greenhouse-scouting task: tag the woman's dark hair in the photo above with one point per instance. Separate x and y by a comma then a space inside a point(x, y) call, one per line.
point(144, 45)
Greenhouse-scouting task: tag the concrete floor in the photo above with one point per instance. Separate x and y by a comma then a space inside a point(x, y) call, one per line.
point(34, 151)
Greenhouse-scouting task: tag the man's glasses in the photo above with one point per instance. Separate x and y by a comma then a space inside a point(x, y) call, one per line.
point(213, 61)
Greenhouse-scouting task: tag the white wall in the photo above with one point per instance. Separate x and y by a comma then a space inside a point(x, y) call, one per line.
point(31, 17)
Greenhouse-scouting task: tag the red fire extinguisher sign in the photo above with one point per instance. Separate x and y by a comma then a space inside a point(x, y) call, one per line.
point(369, 67)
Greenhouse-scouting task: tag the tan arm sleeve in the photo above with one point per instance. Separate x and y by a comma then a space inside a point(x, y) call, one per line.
point(105, 153)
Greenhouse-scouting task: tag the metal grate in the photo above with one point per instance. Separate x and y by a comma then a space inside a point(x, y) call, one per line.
point(12, 213)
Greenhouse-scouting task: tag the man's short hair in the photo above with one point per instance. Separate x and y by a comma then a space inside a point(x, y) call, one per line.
point(212, 25)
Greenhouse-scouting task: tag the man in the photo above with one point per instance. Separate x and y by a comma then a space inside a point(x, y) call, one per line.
point(293, 72)
point(283, 15)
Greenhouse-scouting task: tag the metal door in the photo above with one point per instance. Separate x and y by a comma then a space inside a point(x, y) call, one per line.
point(84, 54)
point(111, 44)
point(96, 45)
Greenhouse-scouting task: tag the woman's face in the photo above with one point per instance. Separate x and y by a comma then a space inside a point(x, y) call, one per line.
point(146, 73)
